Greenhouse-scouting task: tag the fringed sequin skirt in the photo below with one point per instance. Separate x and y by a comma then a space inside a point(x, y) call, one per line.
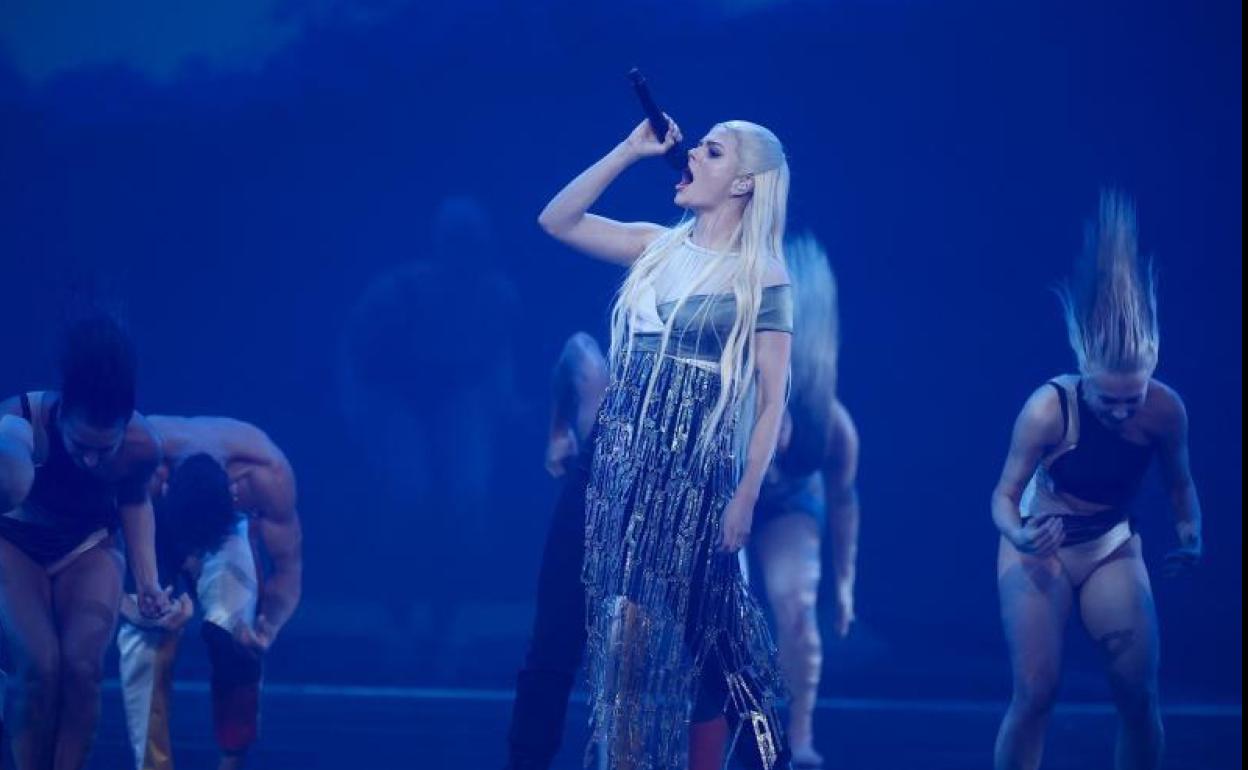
point(670, 619)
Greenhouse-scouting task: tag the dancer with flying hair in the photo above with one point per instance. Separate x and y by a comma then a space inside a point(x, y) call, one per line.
point(1079, 451)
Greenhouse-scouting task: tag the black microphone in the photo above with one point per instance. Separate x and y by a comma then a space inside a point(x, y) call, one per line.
point(677, 156)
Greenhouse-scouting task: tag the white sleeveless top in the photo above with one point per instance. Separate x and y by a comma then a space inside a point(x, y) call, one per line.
point(687, 269)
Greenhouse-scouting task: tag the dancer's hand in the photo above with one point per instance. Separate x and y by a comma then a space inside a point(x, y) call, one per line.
point(844, 608)
point(256, 638)
point(738, 517)
point(153, 601)
point(1183, 559)
point(1039, 535)
point(176, 618)
point(642, 143)
point(561, 448)
point(178, 615)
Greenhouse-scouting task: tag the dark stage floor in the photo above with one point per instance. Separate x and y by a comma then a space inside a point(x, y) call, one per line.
point(344, 728)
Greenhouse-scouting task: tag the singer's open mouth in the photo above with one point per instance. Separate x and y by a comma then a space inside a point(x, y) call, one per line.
point(686, 176)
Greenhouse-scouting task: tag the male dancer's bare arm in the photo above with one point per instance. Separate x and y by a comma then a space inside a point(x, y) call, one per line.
point(591, 387)
point(561, 441)
point(281, 535)
point(579, 384)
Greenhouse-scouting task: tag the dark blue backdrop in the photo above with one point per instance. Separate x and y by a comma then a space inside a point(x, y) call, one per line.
point(234, 186)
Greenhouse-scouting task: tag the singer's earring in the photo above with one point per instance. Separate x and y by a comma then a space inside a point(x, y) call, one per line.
point(743, 185)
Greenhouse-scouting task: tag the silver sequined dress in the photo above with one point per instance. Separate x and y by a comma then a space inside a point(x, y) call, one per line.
point(670, 619)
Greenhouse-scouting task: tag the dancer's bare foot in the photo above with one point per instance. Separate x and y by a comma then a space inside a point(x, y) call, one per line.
point(806, 758)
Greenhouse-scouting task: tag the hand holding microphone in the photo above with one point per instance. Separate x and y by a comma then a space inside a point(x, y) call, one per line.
point(643, 141)
point(658, 134)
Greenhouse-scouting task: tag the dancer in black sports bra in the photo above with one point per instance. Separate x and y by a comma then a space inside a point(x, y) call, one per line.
point(1080, 449)
point(61, 566)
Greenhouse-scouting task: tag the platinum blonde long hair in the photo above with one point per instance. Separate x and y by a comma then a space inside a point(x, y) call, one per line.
point(1111, 303)
point(758, 237)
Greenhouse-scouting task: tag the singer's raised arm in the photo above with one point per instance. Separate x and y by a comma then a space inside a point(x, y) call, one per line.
point(567, 217)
